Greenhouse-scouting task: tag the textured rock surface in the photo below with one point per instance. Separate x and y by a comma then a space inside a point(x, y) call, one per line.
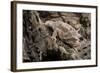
point(54, 36)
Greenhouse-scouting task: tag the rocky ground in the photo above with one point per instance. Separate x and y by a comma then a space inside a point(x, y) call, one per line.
point(56, 36)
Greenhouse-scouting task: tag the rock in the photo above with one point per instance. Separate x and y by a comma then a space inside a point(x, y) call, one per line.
point(53, 36)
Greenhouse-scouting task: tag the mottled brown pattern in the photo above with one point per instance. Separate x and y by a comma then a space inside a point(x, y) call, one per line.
point(54, 36)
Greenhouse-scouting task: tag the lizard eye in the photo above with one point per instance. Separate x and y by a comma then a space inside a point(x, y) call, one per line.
point(81, 39)
point(40, 29)
point(50, 29)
